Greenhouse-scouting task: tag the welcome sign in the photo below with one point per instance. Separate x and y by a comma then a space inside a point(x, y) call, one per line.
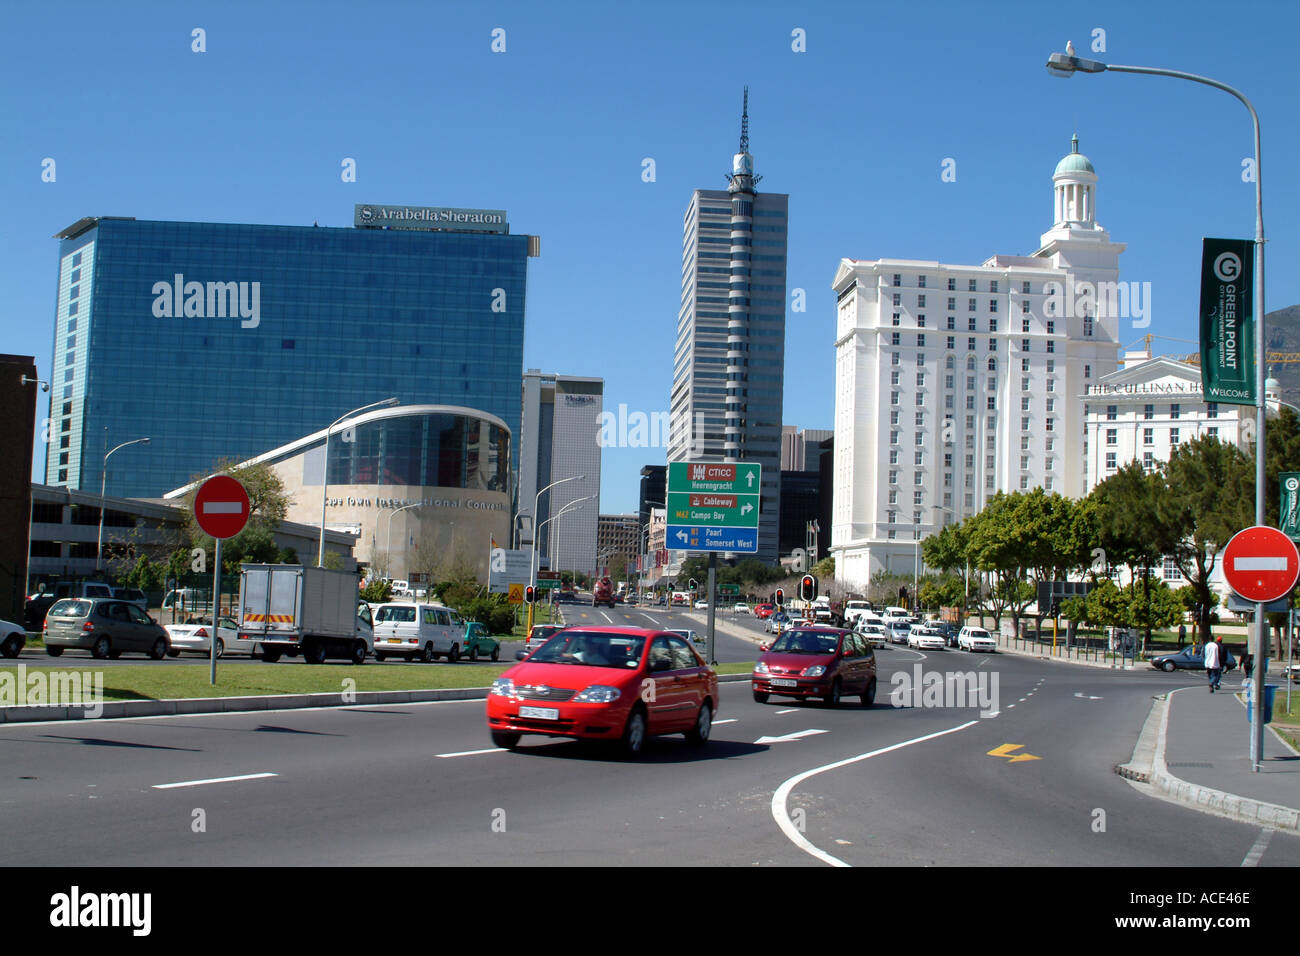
point(1227, 323)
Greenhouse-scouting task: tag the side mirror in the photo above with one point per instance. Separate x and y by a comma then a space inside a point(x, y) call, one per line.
point(762, 647)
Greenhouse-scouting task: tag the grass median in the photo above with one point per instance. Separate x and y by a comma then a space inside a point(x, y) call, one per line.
point(170, 681)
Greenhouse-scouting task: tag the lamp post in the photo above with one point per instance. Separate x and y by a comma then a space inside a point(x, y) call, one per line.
point(103, 482)
point(325, 469)
point(1066, 65)
point(388, 543)
point(537, 528)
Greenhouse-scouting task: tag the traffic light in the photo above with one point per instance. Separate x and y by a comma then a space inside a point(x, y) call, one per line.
point(808, 588)
point(530, 594)
point(693, 585)
point(780, 597)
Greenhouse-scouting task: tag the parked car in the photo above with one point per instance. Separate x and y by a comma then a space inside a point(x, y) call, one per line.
point(104, 626)
point(926, 638)
point(976, 639)
point(539, 635)
point(479, 640)
point(824, 662)
point(195, 636)
point(592, 683)
point(13, 638)
point(1191, 657)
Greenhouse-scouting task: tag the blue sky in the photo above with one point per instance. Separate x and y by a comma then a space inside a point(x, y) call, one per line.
point(555, 130)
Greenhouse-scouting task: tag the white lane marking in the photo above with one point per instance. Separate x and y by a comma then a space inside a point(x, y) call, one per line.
point(1085, 696)
point(199, 783)
point(782, 793)
point(1257, 851)
point(729, 720)
point(1009, 706)
point(1022, 700)
point(789, 737)
point(792, 710)
point(471, 753)
point(608, 619)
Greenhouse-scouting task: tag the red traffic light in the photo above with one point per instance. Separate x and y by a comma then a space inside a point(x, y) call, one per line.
point(808, 588)
point(780, 596)
point(530, 594)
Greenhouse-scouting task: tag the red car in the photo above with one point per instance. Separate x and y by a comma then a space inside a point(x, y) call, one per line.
point(763, 610)
point(619, 684)
point(817, 661)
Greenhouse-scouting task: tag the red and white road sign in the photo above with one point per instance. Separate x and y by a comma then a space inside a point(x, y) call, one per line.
point(1261, 564)
point(221, 507)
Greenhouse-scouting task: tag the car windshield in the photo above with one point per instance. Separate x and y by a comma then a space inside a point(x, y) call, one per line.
point(69, 608)
point(592, 648)
point(396, 614)
point(806, 642)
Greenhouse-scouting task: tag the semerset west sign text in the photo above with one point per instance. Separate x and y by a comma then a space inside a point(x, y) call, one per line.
point(431, 217)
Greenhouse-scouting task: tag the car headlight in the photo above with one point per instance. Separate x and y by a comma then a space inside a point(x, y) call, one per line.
point(597, 694)
point(817, 670)
point(760, 668)
point(503, 687)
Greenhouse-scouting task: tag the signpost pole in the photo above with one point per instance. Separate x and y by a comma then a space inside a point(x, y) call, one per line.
point(713, 601)
point(216, 612)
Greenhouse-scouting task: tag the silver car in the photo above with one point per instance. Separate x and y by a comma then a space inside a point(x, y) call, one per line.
point(104, 626)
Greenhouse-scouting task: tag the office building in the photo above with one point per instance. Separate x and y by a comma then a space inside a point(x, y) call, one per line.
point(618, 534)
point(954, 382)
point(218, 341)
point(800, 447)
point(654, 487)
point(560, 443)
point(729, 357)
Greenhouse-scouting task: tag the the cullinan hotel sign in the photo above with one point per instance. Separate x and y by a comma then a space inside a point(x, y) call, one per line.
point(1168, 387)
point(431, 218)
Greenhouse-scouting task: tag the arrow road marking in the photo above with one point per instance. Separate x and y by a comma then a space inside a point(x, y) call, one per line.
point(1006, 750)
point(788, 737)
point(1085, 696)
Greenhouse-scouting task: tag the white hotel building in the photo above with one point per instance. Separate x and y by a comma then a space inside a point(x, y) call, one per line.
point(954, 382)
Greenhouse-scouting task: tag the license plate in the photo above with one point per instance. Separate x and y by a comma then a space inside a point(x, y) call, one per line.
point(780, 682)
point(541, 713)
point(394, 640)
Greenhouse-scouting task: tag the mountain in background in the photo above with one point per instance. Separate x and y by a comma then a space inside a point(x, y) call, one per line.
point(1283, 328)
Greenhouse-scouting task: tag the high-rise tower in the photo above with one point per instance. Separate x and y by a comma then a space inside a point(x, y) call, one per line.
point(729, 360)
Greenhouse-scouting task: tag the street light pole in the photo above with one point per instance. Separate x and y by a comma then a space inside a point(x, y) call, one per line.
point(1064, 64)
point(103, 483)
point(325, 469)
point(537, 528)
point(388, 544)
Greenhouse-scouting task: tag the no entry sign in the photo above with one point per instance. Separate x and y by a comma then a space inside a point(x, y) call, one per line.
point(1261, 564)
point(221, 507)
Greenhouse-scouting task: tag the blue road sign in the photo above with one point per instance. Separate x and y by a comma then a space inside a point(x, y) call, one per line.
point(695, 538)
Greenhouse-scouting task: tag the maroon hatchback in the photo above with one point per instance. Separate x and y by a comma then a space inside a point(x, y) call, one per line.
point(825, 662)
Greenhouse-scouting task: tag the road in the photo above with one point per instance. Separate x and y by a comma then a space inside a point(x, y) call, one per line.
point(421, 784)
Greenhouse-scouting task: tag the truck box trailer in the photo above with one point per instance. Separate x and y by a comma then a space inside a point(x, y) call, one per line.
point(294, 608)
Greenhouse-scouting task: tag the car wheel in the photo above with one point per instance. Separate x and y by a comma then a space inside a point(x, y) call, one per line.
point(473, 653)
point(698, 736)
point(380, 657)
point(269, 656)
point(454, 654)
point(634, 733)
point(159, 649)
point(833, 698)
point(427, 655)
point(869, 694)
point(13, 645)
point(173, 652)
point(314, 653)
point(760, 697)
point(496, 653)
point(506, 741)
point(53, 651)
point(1167, 666)
point(359, 652)
point(221, 648)
point(101, 649)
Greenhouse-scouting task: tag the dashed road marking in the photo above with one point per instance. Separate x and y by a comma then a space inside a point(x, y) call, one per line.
point(199, 783)
point(471, 753)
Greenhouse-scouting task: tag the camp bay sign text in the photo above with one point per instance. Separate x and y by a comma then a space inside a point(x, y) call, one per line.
point(465, 504)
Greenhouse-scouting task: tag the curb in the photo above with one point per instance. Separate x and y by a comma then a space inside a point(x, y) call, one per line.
point(1004, 649)
point(118, 709)
point(1148, 766)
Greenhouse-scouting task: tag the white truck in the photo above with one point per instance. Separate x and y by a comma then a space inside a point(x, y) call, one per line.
point(294, 608)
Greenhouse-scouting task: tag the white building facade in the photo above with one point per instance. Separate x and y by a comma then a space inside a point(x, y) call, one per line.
point(954, 382)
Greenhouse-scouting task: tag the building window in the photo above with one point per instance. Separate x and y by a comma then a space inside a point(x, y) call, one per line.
point(1050, 425)
point(1024, 462)
point(1024, 325)
point(952, 285)
point(993, 307)
point(952, 303)
point(920, 302)
point(1051, 327)
point(1051, 443)
point(893, 496)
point(895, 338)
point(993, 325)
point(1148, 436)
point(894, 397)
point(1213, 433)
point(1112, 413)
point(898, 279)
point(1051, 405)
point(891, 516)
point(970, 402)
point(1024, 443)
point(920, 319)
point(970, 501)
point(1148, 412)
point(920, 438)
point(894, 376)
point(947, 401)
point(893, 477)
point(898, 299)
point(920, 341)
point(951, 362)
point(993, 345)
point(894, 358)
point(1024, 288)
point(970, 345)
point(1024, 383)
point(1087, 371)
point(971, 286)
point(893, 417)
point(1087, 326)
point(918, 458)
point(1175, 410)
point(920, 419)
point(1148, 461)
point(1173, 438)
point(1024, 482)
point(970, 306)
point(1024, 308)
point(1212, 410)
point(1049, 465)
point(1024, 365)
point(893, 437)
point(918, 478)
point(898, 318)
point(1024, 403)
point(1024, 423)
point(920, 380)
point(1051, 345)
point(993, 286)
point(1110, 461)
point(952, 323)
point(951, 343)
point(920, 398)
point(992, 403)
point(1024, 345)
point(920, 282)
point(920, 359)
point(893, 456)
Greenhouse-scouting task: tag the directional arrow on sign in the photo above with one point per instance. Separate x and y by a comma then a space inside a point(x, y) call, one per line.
point(794, 736)
point(746, 508)
point(682, 536)
point(1006, 750)
point(750, 479)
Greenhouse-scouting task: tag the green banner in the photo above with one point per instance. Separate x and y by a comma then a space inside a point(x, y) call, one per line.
point(1227, 321)
point(1288, 516)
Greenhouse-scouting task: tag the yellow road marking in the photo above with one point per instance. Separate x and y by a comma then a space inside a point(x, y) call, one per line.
point(1005, 750)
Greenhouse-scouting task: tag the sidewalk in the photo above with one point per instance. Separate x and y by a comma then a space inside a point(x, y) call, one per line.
point(1195, 749)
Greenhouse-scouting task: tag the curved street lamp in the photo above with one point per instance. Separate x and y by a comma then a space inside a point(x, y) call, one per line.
point(325, 468)
point(103, 480)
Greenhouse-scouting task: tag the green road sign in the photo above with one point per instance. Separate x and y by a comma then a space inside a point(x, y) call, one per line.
point(714, 510)
point(1289, 513)
point(715, 476)
point(713, 505)
point(548, 584)
point(728, 588)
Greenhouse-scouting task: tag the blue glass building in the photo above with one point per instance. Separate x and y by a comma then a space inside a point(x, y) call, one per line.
point(221, 341)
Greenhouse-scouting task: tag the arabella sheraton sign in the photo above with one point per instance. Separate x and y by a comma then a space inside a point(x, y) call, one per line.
point(431, 217)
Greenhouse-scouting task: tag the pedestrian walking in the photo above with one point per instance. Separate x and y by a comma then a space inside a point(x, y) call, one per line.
point(1214, 663)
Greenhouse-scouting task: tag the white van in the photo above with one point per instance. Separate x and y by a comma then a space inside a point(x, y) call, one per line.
point(417, 631)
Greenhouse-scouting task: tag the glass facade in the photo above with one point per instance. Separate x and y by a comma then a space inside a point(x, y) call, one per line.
point(223, 341)
point(445, 451)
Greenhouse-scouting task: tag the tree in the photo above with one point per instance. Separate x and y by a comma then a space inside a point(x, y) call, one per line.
point(1208, 501)
point(825, 569)
point(377, 592)
point(1005, 540)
